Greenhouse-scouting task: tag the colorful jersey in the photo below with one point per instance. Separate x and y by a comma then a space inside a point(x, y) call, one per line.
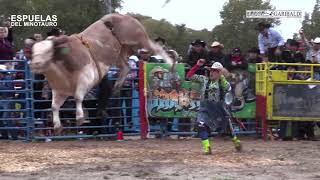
point(212, 88)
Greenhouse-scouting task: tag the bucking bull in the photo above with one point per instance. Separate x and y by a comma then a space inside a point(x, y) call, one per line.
point(74, 64)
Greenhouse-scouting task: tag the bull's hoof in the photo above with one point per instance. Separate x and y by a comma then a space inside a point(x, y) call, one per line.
point(80, 121)
point(58, 130)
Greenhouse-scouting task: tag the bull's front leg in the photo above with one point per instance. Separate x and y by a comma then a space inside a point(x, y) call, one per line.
point(79, 114)
point(124, 69)
point(57, 101)
point(79, 96)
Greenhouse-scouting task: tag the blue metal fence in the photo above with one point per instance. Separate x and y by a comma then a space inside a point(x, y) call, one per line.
point(15, 101)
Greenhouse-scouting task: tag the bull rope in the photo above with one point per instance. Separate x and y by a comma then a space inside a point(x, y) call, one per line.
point(88, 46)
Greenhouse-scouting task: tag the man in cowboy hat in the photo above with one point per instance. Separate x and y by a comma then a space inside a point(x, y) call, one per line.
point(270, 41)
point(211, 114)
point(215, 54)
point(198, 51)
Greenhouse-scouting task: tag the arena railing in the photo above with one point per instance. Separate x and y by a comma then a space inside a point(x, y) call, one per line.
point(16, 117)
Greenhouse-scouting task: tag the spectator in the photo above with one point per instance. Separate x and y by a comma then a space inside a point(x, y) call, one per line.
point(215, 54)
point(306, 76)
point(236, 60)
point(291, 54)
point(146, 55)
point(6, 52)
point(198, 51)
point(24, 55)
point(313, 53)
point(162, 42)
point(174, 55)
point(271, 40)
point(38, 37)
point(253, 56)
point(6, 105)
point(55, 32)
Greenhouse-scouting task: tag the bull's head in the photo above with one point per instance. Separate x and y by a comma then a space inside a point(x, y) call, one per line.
point(43, 53)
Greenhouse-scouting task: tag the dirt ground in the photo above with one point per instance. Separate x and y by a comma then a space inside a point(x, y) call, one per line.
point(159, 159)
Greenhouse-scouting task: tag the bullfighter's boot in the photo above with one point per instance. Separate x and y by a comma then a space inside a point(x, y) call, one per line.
point(206, 147)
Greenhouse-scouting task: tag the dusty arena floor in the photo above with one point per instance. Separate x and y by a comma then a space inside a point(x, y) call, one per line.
point(159, 159)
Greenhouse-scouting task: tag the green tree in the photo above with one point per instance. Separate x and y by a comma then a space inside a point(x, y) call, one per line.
point(236, 30)
point(178, 36)
point(311, 25)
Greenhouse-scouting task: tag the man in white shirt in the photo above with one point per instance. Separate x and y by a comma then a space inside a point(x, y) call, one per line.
point(269, 40)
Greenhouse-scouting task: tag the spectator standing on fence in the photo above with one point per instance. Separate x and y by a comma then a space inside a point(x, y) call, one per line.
point(270, 42)
point(6, 105)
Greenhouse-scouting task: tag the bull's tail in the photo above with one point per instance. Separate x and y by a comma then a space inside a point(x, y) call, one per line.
point(157, 49)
